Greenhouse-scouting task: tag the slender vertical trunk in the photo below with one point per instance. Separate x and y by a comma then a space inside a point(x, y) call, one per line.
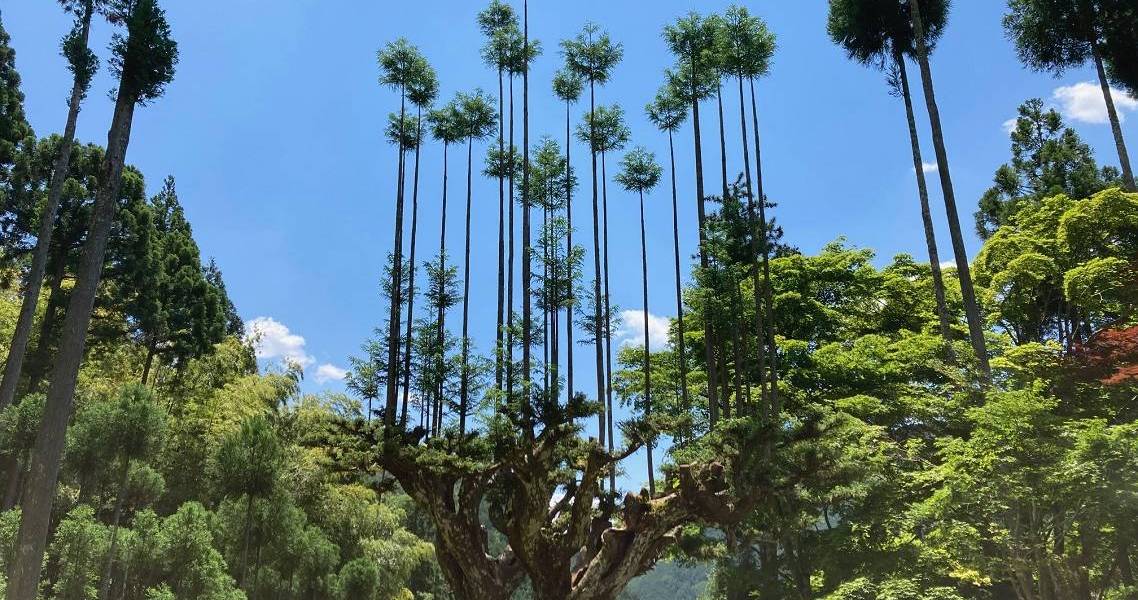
point(570, 292)
point(464, 385)
point(151, 351)
point(14, 468)
point(105, 584)
point(392, 399)
point(43, 474)
point(498, 333)
point(926, 214)
point(527, 250)
point(546, 332)
point(18, 347)
point(704, 261)
point(760, 347)
point(440, 334)
point(722, 137)
point(598, 333)
point(608, 316)
point(764, 244)
point(680, 342)
point(1115, 123)
point(411, 271)
point(510, 284)
point(647, 354)
point(971, 306)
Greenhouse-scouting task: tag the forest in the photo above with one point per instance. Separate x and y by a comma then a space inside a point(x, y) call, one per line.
point(832, 425)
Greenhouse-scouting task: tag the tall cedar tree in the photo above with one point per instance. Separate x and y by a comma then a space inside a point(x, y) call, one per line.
point(475, 122)
point(422, 93)
point(692, 42)
point(592, 55)
point(924, 36)
point(667, 112)
point(83, 64)
point(880, 34)
point(144, 60)
point(641, 173)
point(567, 86)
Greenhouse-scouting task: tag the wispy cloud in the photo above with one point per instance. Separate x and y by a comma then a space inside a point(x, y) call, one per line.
point(1084, 102)
point(273, 340)
point(1010, 125)
point(329, 372)
point(631, 330)
point(927, 167)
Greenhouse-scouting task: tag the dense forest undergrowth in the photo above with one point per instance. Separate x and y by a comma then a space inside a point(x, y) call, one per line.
point(834, 425)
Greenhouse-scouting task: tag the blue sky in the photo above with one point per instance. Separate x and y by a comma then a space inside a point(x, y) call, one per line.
point(273, 131)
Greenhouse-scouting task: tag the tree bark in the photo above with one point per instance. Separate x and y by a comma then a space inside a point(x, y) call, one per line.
point(926, 213)
point(18, 347)
point(24, 574)
point(971, 306)
point(1115, 123)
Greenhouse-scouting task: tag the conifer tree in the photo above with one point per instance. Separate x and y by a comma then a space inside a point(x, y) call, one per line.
point(83, 64)
point(144, 59)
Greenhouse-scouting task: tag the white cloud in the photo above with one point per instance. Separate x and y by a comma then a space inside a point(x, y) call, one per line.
point(631, 330)
point(927, 167)
point(1010, 125)
point(329, 372)
point(1084, 102)
point(273, 340)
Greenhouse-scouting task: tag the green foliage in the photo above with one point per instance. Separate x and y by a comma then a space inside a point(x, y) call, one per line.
point(79, 548)
point(1048, 159)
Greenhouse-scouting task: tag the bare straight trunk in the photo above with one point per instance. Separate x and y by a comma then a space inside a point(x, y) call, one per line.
point(608, 316)
point(17, 350)
point(437, 424)
point(680, 342)
point(510, 275)
point(571, 292)
point(38, 368)
point(1115, 123)
point(411, 271)
point(971, 306)
point(647, 355)
point(722, 137)
point(527, 251)
point(39, 495)
point(499, 336)
point(704, 261)
point(764, 243)
point(392, 403)
point(760, 347)
point(598, 333)
point(464, 385)
point(926, 213)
